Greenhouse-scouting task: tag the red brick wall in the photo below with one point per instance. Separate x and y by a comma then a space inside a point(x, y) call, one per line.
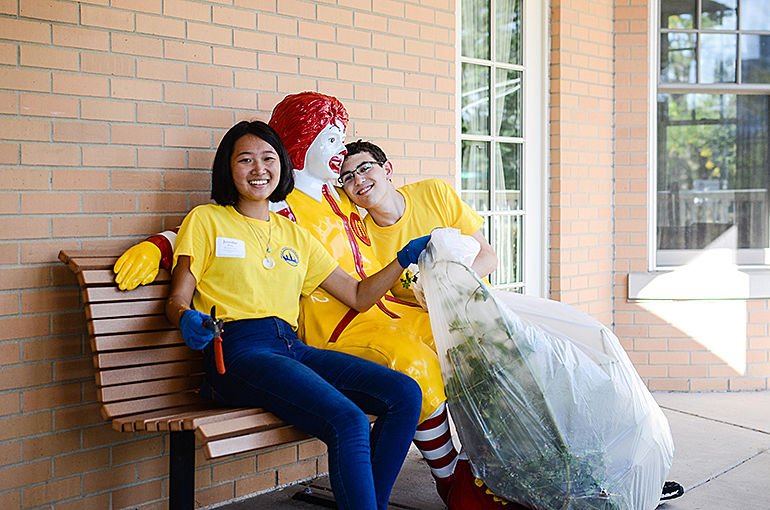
point(110, 111)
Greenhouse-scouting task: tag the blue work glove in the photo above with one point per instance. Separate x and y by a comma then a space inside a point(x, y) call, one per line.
point(195, 334)
point(410, 253)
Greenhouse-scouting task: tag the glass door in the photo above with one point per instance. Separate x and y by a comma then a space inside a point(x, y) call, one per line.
point(501, 147)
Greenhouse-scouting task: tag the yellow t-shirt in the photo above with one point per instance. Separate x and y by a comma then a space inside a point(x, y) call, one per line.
point(430, 204)
point(226, 260)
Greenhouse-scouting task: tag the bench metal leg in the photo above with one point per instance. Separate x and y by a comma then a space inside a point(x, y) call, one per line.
point(182, 471)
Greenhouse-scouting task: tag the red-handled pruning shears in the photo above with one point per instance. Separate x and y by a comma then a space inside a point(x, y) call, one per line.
point(216, 325)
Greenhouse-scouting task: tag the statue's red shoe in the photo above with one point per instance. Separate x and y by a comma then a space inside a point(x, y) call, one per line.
point(466, 494)
point(443, 485)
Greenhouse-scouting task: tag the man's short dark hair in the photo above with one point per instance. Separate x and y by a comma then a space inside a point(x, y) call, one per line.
point(223, 190)
point(362, 146)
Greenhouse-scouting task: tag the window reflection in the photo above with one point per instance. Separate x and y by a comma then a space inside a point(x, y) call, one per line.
point(677, 58)
point(717, 58)
point(475, 174)
point(677, 13)
point(721, 15)
point(508, 103)
point(475, 99)
point(508, 177)
point(755, 15)
point(505, 236)
point(755, 58)
point(508, 33)
point(474, 33)
point(713, 170)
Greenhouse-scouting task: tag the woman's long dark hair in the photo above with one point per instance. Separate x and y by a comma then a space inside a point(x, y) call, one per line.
point(223, 190)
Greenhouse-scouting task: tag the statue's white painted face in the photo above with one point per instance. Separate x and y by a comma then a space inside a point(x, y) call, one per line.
point(323, 159)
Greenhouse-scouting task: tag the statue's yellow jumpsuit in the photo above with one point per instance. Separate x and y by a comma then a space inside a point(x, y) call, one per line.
point(392, 333)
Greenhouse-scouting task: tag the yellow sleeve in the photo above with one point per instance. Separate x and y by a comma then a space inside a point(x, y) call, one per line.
point(193, 241)
point(459, 214)
point(320, 265)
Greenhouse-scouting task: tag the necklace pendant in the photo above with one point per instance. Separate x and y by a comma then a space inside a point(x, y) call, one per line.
point(268, 263)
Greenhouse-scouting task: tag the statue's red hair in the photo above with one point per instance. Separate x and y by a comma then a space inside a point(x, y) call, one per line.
point(298, 119)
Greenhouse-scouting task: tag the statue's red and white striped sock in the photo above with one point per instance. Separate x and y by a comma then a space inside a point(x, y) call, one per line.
point(434, 440)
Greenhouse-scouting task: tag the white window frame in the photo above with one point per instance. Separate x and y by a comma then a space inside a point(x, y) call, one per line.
point(535, 171)
point(667, 273)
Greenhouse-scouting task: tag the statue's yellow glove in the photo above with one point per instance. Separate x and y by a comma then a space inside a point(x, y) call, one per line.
point(137, 266)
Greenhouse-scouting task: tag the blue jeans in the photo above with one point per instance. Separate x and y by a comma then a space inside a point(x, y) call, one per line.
point(326, 394)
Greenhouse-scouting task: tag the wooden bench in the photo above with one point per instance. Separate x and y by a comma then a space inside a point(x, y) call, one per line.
point(147, 378)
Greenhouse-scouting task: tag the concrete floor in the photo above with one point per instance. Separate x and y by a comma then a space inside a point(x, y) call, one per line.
point(722, 455)
point(722, 458)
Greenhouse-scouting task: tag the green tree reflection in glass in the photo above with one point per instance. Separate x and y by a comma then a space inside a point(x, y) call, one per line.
point(677, 57)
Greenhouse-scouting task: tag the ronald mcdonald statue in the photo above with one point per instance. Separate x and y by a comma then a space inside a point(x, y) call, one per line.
point(392, 333)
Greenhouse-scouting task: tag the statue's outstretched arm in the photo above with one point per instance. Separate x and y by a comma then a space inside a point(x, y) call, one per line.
point(139, 264)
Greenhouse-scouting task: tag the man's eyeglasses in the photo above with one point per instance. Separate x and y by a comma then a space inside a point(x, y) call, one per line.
point(362, 169)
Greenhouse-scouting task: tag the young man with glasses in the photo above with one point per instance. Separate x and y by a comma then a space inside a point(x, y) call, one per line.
point(392, 214)
point(398, 214)
point(418, 207)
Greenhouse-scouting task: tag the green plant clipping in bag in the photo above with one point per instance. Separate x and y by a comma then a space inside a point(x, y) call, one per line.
point(547, 404)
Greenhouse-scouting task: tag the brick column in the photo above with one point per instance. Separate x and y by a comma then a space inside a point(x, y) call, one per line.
point(581, 225)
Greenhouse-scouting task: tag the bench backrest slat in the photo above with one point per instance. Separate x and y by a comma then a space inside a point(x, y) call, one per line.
point(67, 256)
point(106, 294)
point(120, 392)
point(78, 260)
point(133, 357)
point(103, 343)
point(95, 262)
point(129, 324)
point(125, 309)
point(149, 372)
point(105, 276)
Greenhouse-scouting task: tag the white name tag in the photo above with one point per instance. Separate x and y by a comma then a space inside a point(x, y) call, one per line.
point(230, 248)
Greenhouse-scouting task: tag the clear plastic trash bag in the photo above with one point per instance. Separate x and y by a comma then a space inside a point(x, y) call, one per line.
point(547, 404)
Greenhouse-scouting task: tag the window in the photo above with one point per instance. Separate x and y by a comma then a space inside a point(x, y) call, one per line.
point(493, 148)
point(713, 130)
